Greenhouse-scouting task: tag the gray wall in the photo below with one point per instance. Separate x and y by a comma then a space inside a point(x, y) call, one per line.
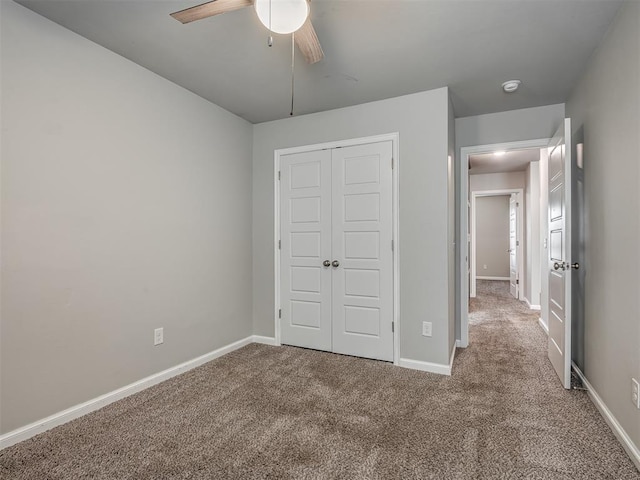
point(126, 206)
point(451, 227)
point(497, 181)
point(422, 122)
point(606, 118)
point(492, 236)
point(511, 126)
point(532, 234)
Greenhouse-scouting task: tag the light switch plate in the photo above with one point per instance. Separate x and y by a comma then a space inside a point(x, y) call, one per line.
point(427, 329)
point(158, 336)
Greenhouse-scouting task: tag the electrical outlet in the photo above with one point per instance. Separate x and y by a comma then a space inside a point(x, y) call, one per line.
point(158, 336)
point(635, 392)
point(426, 329)
point(484, 267)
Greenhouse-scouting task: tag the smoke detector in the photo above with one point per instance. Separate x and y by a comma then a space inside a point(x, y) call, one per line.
point(511, 86)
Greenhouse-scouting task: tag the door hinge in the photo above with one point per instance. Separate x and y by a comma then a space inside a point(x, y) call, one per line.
point(278, 174)
point(517, 282)
point(279, 313)
point(517, 243)
point(517, 204)
point(279, 244)
point(392, 245)
point(391, 163)
point(393, 327)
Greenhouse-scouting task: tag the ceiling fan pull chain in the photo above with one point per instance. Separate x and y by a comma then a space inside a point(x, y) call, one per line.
point(293, 59)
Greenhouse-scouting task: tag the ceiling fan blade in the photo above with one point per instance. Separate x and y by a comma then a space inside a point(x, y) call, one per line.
point(308, 43)
point(209, 9)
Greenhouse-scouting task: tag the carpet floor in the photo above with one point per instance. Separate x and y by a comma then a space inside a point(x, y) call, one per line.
point(282, 412)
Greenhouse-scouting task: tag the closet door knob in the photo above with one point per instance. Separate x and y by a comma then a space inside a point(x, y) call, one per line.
point(335, 263)
point(326, 263)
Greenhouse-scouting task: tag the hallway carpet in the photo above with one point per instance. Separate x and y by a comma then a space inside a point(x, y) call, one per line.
point(283, 412)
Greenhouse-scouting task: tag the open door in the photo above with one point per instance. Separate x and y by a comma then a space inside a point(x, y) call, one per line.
point(560, 259)
point(514, 281)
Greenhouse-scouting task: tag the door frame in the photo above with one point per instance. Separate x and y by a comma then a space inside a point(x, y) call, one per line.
point(463, 228)
point(395, 179)
point(519, 249)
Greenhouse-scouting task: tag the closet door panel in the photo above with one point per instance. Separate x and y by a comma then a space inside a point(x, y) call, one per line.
point(305, 220)
point(362, 299)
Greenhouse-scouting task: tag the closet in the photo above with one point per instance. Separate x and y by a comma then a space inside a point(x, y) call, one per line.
point(336, 250)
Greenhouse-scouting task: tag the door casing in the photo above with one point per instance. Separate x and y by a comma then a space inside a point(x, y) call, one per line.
point(395, 139)
point(472, 258)
point(463, 237)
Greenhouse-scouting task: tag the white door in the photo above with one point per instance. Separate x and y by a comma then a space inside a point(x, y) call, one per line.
point(362, 251)
point(560, 260)
point(513, 246)
point(305, 219)
point(336, 260)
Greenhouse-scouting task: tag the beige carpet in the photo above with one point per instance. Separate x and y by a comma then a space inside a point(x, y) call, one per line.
point(268, 412)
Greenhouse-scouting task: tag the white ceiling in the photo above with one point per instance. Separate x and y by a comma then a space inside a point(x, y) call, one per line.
point(511, 161)
point(374, 49)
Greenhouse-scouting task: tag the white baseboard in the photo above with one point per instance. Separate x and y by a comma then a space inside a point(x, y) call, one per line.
point(492, 278)
point(532, 307)
point(28, 431)
point(264, 340)
point(428, 366)
point(624, 439)
point(543, 325)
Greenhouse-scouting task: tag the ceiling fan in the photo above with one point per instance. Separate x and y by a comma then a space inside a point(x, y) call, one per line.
point(305, 36)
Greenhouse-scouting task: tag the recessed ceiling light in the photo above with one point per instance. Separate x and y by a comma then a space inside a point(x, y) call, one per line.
point(511, 86)
point(499, 153)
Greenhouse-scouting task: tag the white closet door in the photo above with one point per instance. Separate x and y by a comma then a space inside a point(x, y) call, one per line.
point(363, 260)
point(305, 219)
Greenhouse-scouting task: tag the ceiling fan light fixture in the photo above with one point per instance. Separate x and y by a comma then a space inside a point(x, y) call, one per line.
point(282, 16)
